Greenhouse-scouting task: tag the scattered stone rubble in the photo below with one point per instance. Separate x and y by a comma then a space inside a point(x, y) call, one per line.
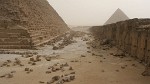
point(67, 39)
point(51, 69)
point(58, 67)
point(8, 75)
point(62, 79)
point(8, 63)
point(28, 70)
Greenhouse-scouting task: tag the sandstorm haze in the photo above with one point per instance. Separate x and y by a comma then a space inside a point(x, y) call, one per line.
point(96, 12)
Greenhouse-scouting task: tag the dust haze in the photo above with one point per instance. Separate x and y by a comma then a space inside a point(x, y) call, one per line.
point(96, 12)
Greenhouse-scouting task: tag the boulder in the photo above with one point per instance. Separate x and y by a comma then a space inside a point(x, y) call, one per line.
point(56, 78)
point(147, 71)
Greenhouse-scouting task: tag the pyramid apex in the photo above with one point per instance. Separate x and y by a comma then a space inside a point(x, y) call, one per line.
point(119, 10)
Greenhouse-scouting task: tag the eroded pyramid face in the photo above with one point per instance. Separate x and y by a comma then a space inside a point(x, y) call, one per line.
point(119, 15)
point(27, 23)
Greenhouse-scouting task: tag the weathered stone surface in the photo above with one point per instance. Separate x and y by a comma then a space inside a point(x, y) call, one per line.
point(28, 23)
point(130, 36)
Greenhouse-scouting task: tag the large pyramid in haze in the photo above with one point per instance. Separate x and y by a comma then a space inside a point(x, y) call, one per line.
point(119, 15)
point(28, 23)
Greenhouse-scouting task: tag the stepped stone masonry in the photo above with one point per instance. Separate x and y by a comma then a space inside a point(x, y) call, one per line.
point(28, 23)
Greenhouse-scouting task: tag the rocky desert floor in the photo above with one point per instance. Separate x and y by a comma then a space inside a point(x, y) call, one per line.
point(76, 63)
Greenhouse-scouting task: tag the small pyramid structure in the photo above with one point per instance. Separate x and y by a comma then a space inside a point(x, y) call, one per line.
point(119, 15)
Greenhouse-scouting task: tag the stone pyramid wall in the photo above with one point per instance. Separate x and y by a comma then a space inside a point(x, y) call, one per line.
point(28, 23)
point(119, 15)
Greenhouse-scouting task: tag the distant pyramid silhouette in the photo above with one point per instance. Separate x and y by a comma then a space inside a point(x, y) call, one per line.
point(119, 15)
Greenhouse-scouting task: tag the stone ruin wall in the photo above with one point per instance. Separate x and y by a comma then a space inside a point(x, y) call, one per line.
point(131, 36)
point(28, 23)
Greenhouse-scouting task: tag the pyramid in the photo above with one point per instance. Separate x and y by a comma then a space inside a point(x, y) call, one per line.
point(28, 23)
point(119, 15)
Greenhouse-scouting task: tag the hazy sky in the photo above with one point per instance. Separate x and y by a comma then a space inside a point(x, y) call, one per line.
point(96, 12)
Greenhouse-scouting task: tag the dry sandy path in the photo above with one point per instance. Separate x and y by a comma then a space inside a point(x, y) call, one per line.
point(91, 69)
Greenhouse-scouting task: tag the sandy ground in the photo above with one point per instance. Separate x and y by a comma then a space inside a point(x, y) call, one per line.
point(101, 68)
